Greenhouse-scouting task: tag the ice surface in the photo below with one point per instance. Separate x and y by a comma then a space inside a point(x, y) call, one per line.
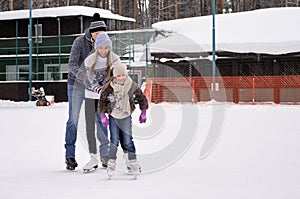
point(257, 155)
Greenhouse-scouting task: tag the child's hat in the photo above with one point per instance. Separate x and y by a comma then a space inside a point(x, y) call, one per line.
point(119, 69)
point(102, 40)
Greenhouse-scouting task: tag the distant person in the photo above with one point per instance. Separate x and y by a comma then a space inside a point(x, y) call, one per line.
point(81, 48)
point(118, 99)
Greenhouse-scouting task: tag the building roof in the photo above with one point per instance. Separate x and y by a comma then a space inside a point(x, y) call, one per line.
point(62, 12)
point(266, 31)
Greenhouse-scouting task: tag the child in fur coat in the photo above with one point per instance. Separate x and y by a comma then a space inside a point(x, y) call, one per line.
point(117, 100)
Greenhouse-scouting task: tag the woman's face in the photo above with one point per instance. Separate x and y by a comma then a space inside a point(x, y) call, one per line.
point(103, 51)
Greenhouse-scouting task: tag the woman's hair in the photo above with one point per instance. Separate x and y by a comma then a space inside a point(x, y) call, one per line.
point(105, 86)
point(109, 63)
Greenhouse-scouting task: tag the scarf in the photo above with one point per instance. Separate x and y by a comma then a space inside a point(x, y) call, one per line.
point(121, 108)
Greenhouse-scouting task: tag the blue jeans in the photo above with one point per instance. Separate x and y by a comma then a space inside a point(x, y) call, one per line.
point(121, 127)
point(75, 99)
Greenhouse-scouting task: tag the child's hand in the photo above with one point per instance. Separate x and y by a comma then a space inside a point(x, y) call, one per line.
point(143, 117)
point(104, 120)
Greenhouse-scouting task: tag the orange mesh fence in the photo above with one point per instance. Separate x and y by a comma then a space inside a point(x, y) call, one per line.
point(277, 89)
point(148, 89)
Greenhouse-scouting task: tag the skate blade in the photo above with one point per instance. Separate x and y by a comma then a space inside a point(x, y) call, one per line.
point(135, 174)
point(104, 166)
point(70, 168)
point(90, 170)
point(110, 173)
point(85, 171)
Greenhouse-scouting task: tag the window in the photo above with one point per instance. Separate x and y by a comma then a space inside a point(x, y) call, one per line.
point(20, 72)
point(37, 34)
point(136, 76)
point(55, 72)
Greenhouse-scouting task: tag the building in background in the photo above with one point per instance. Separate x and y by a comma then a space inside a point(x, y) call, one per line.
point(258, 49)
point(53, 32)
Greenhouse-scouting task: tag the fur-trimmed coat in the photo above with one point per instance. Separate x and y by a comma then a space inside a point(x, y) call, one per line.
point(107, 103)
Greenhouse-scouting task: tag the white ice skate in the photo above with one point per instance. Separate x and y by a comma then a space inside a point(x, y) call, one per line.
point(135, 168)
point(92, 164)
point(111, 167)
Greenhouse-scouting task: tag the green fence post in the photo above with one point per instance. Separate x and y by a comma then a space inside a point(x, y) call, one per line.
point(30, 50)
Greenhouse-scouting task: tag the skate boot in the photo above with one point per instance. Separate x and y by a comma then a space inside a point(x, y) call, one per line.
point(92, 164)
point(104, 160)
point(127, 163)
point(135, 168)
point(111, 167)
point(71, 163)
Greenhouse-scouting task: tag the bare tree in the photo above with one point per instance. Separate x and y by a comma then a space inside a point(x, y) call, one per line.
point(142, 15)
point(46, 4)
point(3, 5)
point(10, 5)
point(104, 4)
point(148, 12)
point(246, 5)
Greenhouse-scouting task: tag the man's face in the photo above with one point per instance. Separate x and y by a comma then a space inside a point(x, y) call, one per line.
point(95, 34)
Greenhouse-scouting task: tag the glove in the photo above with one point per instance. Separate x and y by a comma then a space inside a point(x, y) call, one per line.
point(87, 82)
point(143, 117)
point(104, 120)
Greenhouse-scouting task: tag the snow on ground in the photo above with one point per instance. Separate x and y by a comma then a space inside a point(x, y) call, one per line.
point(257, 155)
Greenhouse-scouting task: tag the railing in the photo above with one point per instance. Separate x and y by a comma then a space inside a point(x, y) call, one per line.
point(55, 50)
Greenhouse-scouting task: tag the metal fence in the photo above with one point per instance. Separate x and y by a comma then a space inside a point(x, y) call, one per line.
point(50, 55)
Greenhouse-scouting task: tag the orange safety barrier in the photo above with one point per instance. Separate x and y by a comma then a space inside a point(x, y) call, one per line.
point(148, 90)
point(277, 89)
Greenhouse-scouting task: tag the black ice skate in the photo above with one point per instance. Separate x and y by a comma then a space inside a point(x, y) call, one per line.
point(104, 161)
point(71, 163)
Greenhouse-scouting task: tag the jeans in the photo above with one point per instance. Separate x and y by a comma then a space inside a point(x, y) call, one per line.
point(75, 99)
point(117, 128)
point(91, 110)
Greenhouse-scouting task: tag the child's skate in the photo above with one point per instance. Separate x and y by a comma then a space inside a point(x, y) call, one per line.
point(135, 168)
point(111, 167)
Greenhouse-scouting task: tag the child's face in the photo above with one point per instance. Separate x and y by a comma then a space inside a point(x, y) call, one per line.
point(103, 51)
point(120, 78)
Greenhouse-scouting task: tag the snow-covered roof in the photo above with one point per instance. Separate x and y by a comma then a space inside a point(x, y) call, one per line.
point(269, 31)
point(139, 55)
point(61, 12)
